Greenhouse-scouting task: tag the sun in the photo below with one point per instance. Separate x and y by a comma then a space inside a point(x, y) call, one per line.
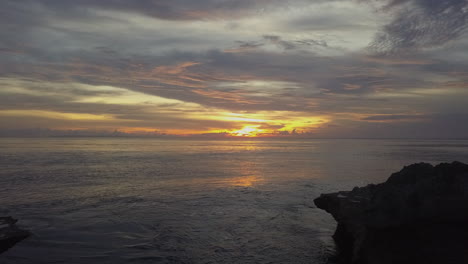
point(247, 131)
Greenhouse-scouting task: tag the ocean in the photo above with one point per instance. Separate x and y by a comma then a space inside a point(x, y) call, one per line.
point(145, 200)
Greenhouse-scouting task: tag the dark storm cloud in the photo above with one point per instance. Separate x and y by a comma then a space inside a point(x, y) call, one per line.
point(422, 24)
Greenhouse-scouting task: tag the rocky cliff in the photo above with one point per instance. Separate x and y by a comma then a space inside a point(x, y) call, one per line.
point(10, 234)
point(419, 215)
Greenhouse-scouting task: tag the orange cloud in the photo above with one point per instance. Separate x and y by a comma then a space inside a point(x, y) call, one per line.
point(173, 70)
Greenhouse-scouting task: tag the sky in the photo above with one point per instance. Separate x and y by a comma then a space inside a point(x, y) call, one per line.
point(235, 68)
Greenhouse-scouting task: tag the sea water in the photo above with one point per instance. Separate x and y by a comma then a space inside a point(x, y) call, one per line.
point(147, 200)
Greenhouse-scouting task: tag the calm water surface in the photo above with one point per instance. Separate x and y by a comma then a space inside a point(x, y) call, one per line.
point(116, 200)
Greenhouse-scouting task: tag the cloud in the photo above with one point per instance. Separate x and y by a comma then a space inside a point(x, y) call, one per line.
point(392, 118)
point(421, 24)
point(162, 9)
point(294, 44)
point(447, 125)
point(178, 64)
point(289, 81)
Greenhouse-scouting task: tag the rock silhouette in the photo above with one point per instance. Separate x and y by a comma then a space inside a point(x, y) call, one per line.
point(10, 234)
point(419, 215)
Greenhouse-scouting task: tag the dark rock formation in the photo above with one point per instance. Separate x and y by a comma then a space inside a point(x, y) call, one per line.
point(419, 215)
point(10, 234)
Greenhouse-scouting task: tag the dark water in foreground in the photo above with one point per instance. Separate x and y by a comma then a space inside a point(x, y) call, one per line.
point(151, 201)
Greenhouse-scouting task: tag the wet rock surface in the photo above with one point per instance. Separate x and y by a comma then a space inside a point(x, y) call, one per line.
point(10, 234)
point(419, 215)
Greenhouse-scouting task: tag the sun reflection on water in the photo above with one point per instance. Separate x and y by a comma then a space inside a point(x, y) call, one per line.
point(244, 181)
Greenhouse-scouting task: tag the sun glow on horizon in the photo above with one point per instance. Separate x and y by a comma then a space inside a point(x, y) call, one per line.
point(247, 131)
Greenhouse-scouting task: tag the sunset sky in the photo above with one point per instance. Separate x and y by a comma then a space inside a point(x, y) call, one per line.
point(316, 68)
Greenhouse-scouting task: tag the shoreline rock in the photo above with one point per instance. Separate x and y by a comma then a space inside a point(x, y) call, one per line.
point(419, 215)
point(10, 234)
